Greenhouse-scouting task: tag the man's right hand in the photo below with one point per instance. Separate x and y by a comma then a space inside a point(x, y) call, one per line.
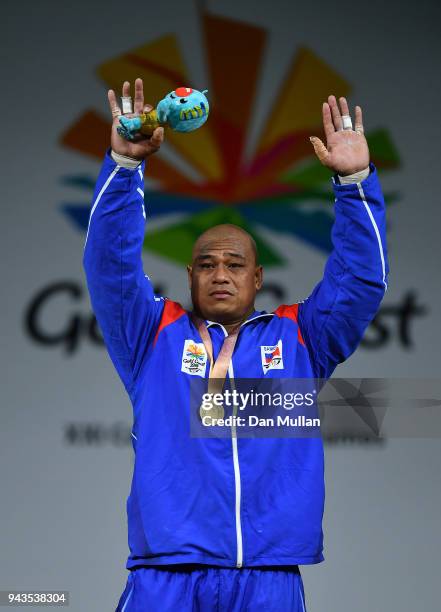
point(143, 146)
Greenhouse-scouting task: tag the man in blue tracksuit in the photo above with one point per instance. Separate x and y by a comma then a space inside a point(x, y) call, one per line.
point(223, 523)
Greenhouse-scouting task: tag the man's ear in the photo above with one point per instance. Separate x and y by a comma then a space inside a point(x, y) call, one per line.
point(259, 277)
point(190, 275)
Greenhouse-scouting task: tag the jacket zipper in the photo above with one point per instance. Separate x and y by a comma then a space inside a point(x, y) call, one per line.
point(237, 479)
point(236, 466)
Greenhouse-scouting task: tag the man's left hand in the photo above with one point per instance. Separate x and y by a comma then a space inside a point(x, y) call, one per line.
point(346, 149)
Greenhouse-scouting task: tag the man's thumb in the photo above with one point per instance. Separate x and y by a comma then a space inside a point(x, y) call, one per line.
point(319, 148)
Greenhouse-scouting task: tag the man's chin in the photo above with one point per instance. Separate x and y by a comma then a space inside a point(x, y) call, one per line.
point(222, 312)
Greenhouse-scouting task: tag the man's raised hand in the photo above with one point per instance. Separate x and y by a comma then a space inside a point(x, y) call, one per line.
point(142, 146)
point(346, 150)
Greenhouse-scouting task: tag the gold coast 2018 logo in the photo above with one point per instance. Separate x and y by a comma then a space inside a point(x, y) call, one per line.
point(281, 186)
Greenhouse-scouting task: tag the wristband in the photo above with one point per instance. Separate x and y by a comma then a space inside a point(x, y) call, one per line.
point(125, 162)
point(357, 177)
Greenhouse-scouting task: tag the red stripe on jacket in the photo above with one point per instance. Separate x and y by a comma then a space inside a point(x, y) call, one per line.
point(171, 313)
point(290, 311)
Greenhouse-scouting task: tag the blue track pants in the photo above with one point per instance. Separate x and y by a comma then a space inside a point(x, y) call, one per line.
point(199, 588)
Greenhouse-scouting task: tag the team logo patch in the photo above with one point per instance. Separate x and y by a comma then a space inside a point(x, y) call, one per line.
point(194, 358)
point(272, 358)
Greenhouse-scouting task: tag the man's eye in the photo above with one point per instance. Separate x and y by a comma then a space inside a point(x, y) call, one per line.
point(236, 265)
point(206, 265)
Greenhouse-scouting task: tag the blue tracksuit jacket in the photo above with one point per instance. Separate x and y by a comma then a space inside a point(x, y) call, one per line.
point(240, 501)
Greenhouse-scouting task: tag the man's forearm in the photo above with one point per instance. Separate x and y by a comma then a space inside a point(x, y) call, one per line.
point(121, 296)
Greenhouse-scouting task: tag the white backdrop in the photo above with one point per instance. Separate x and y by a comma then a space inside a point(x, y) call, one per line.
point(63, 523)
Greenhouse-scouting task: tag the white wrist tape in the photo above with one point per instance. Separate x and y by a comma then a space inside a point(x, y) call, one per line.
point(125, 162)
point(357, 177)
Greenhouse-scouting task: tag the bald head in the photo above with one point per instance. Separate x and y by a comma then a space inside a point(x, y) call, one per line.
point(224, 275)
point(225, 232)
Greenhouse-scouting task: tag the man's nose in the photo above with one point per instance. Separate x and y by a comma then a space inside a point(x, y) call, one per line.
point(220, 274)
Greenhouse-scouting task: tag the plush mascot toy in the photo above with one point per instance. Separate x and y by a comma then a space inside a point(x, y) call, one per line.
point(183, 109)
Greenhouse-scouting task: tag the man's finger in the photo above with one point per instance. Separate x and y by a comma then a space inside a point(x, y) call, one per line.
point(327, 120)
point(359, 120)
point(345, 115)
point(126, 99)
point(114, 108)
point(320, 150)
point(336, 117)
point(126, 89)
point(139, 96)
point(147, 108)
point(157, 138)
point(344, 106)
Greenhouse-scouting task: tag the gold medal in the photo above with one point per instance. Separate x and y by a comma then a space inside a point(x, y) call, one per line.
point(214, 412)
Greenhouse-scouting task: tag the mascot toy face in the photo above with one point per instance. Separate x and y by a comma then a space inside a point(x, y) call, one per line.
point(184, 109)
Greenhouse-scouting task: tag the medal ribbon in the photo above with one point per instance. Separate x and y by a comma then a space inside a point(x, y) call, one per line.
point(218, 368)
